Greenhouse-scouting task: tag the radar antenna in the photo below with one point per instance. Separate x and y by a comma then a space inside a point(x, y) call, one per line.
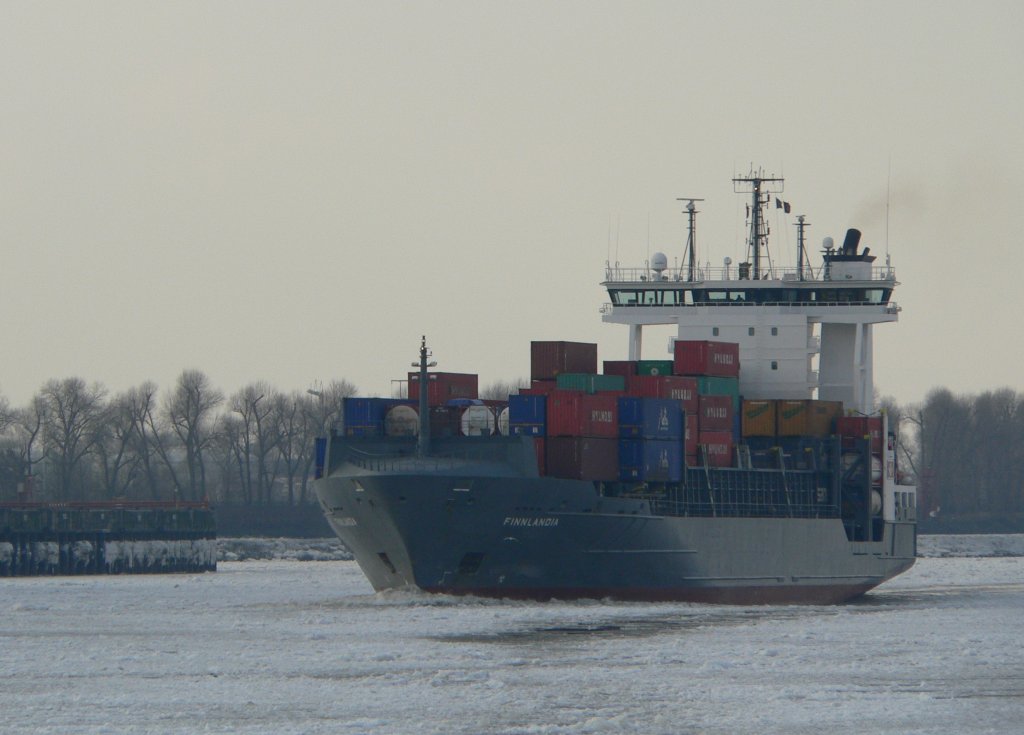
point(690, 254)
point(760, 187)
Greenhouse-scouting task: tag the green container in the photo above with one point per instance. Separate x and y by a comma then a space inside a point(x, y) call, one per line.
point(712, 386)
point(654, 367)
point(590, 383)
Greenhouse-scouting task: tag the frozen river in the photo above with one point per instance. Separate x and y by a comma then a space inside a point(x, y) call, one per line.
point(306, 647)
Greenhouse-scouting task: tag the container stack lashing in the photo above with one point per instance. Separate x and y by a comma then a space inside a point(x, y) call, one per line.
point(861, 439)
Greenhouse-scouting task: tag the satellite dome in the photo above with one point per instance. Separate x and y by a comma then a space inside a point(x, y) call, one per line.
point(659, 262)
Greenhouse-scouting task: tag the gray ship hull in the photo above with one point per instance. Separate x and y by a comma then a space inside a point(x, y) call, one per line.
point(485, 531)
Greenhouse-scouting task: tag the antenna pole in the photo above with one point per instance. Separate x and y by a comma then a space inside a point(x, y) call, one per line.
point(423, 442)
point(761, 187)
point(801, 251)
point(690, 254)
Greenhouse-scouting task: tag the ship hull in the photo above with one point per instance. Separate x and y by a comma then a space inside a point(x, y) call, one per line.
point(545, 538)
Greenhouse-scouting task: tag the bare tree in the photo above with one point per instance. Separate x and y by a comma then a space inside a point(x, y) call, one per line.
point(323, 417)
point(114, 447)
point(189, 410)
point(257, 437)
point(71, 413)
point(148, 439)
point(293, 443)
point(500, 390)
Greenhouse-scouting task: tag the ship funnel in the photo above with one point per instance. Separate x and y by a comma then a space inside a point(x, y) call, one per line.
point(851, 242)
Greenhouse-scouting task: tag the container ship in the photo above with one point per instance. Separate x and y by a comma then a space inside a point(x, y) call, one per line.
point(748, 467)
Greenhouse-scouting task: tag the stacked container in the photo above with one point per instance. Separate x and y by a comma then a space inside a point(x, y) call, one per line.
point(716, 367)
point(582, 436)
point(591, 383)
point(651, 448)
point(442, 387)
point(699, 357)
point(548, 360)
point(365, 416)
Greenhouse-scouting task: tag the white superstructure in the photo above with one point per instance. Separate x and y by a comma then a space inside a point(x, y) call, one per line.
point(803, 332)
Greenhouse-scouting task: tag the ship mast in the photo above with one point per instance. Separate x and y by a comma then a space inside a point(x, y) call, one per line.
point(690, 254)
point(423, 440)
point(761, 188)
point(801, 250)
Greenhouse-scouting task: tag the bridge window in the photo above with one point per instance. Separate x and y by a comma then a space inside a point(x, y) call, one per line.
point(750, 331)
point(775, 331)
point(714, 331)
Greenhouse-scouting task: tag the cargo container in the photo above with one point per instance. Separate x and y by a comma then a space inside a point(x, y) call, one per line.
point(577, 414)
point(715, 414)
point(650, 460)
point(476, 421)
point(527, 415)
point(590, 382)
point(821, 417)
point(851, 428)
point(401, 421)
point(644, 386)
point(445, 421)
point(690, 434)
point(681, 389)
point(701, 357)
point(712, 386)
point(807, 417)
point(654, 367)
point(757, 418)
point(540, 447)
point(582, 458)
point(624, 368)
point(548, 360)
point(365, 416)
point(650, 418)
point(539, 388)
point(715, 448)
point(444, 386)
point(805, 452)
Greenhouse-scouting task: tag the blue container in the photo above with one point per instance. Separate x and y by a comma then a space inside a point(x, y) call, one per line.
point(650, 460)
point(365, 416)
point(650, 418)
point(527, 415)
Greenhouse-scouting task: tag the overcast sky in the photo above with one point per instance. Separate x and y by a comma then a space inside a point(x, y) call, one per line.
point(297, 191)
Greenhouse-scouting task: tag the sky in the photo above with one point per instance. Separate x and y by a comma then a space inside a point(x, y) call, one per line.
point(296, 192)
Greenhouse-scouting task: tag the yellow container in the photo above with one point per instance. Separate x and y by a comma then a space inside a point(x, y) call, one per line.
point(758, 418)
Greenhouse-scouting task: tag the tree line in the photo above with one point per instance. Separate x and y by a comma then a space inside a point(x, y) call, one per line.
point(77, 442)
point(966, 453)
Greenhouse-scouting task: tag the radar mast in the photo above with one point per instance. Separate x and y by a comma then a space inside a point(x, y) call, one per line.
point(690, 254)
point(760, 187)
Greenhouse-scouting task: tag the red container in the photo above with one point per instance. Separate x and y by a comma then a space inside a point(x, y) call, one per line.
point(444, 386)
point(541, 449)
point(690, 437)
point(571, 413)
point(539, 388)
point(550, 359)
point(858, 427)
point(626, 368)
point(700, 357)
point(643, 386)
point(681, 389)
point(716, 447)
point(583, 458)
point(715, 413)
